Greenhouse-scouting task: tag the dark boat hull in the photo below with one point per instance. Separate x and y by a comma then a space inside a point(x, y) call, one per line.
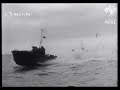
point(25, 58)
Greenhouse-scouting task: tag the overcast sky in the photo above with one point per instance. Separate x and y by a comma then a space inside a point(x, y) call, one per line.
point(63, 22)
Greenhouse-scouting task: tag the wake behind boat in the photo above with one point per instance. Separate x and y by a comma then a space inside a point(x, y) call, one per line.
point(32, 57)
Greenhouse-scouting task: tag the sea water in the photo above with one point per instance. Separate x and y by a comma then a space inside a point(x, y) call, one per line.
point(93, 66)
point(60, 72)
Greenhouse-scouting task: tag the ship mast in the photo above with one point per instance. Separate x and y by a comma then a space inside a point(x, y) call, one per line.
point(41, 37)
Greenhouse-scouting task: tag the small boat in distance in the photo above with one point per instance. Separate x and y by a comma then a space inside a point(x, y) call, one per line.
point(32, 57)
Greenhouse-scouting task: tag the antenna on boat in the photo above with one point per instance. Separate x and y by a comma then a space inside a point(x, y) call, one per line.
point(41, 37)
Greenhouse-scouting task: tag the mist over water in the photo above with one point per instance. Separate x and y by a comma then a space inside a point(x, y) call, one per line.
point(85, 48)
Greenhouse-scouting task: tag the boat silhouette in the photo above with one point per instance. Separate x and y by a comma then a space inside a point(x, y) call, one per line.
point(32, 57)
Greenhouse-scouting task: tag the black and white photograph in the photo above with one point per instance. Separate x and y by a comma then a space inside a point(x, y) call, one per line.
point(59, 44)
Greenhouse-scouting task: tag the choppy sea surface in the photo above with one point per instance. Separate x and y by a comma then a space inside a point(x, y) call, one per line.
point(61, 72)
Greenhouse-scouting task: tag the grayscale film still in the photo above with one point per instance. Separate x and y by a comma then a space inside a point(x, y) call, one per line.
point(59, 45)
